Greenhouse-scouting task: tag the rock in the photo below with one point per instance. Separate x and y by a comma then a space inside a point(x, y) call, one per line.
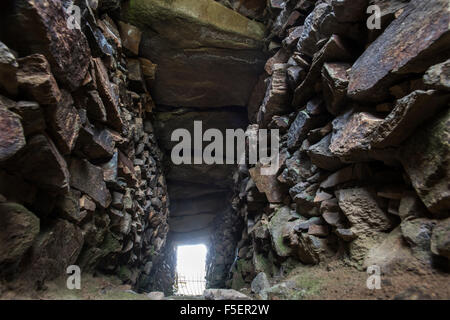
point(68, 207)
point(291, 40)
point(224, 294)
point(425, 158)
point(44, 28)
point(95, 107)
point(276, 98)
point(391, 255)
point(19, 227)
point(97, 41)
point(33, 120)
point(406, 116)
point(12, 137)
point(308, 248)
point(334, 50)
point(89, 179)
point(136, 81)
point(322, 157)
point(276, 225)
point(209, 71)
point(333, 218)
point(362, 210)
point(350, 10)
point(345, 234)
point(358, 171)
point(41, 163)
point(36, 80)
point(64, 123)
point(8, 70)
point(303, 195)
point(420, 33)
point(268, 184)
point(351, 141)
point(303, 123)
point(411, 206)
point(95, 143)
point(335, 83)
point(295, 75)
point(259, 284)
point(320, 231)
point(53, 251)
point(131, 38)
point(155, 295)
point(438, 76)
point(417, 232)
point(304, 225)
point(107, 94)
point(440, 239)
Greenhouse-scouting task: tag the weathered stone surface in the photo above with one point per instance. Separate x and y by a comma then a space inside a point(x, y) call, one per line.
point(276, 99)
point(407, 115)
point(416, 40)
point(95, 143)
point(155, 295)
point(355, 172)
point(361, 208)
point(107, 94)
point(391, 255)
point(440, 239)
point(43, 27)
point(417, 232)
point(131, 38)
point(350, 140)
point(322, 157)
point(224, 294)
point(135, 76)
point(95, 107)
point(32, 117)
point(438, 76)
point(36, 80)
point(411, 206)
point(8, 70)
point(68, 207)
point(268, 184)
point(64, 123)
point(11, 132)
point(335, 82)
point(303, 194)
point(426, 159)
point(260, 283)
point(40, 162)
point(54, 250)
point(18, 229)
point(279, 221)
point(208, 55)
point(89, 179)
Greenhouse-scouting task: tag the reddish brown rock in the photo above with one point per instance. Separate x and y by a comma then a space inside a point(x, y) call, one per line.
point(318, 230)
point(40, 162)
point(36, 80)
point(43, 27)
point(95, 143)
point(109, 99)
point(136, 81)
point(32, 115)
point(95, 107)
point(335, 82)
point(89, 179)
point(131, 38)
point(64, 123)
point(416, 40)
point(12, 138)
point(268, 184)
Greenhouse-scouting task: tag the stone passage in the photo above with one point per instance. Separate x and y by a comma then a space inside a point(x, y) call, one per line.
point(86, 116)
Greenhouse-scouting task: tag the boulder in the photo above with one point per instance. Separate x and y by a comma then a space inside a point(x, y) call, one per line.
point(426, 159)
point(416, 40)
point(208, 55)
point(36, 80)
point(322, 157)
point(260, 283)
point(32, 115)
point(224, 294)
point(155, 295)
point(438, 76)
point(335, 83)
point(440, 238)
point(8, 71)
point(131, 38)
point(89, 179)
point(18, 229)
point(268, 184)
point(417, 233)
point(12, 137)
point(43, 27)
point(279, 221)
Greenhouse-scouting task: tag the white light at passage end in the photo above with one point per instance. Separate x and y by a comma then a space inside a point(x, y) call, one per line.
point(191, 269)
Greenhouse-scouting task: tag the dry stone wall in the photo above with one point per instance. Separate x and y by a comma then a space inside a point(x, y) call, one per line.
point(81, 178)
point(364, 122)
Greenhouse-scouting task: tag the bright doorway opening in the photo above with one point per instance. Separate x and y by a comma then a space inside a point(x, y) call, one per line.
point(191, 269)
